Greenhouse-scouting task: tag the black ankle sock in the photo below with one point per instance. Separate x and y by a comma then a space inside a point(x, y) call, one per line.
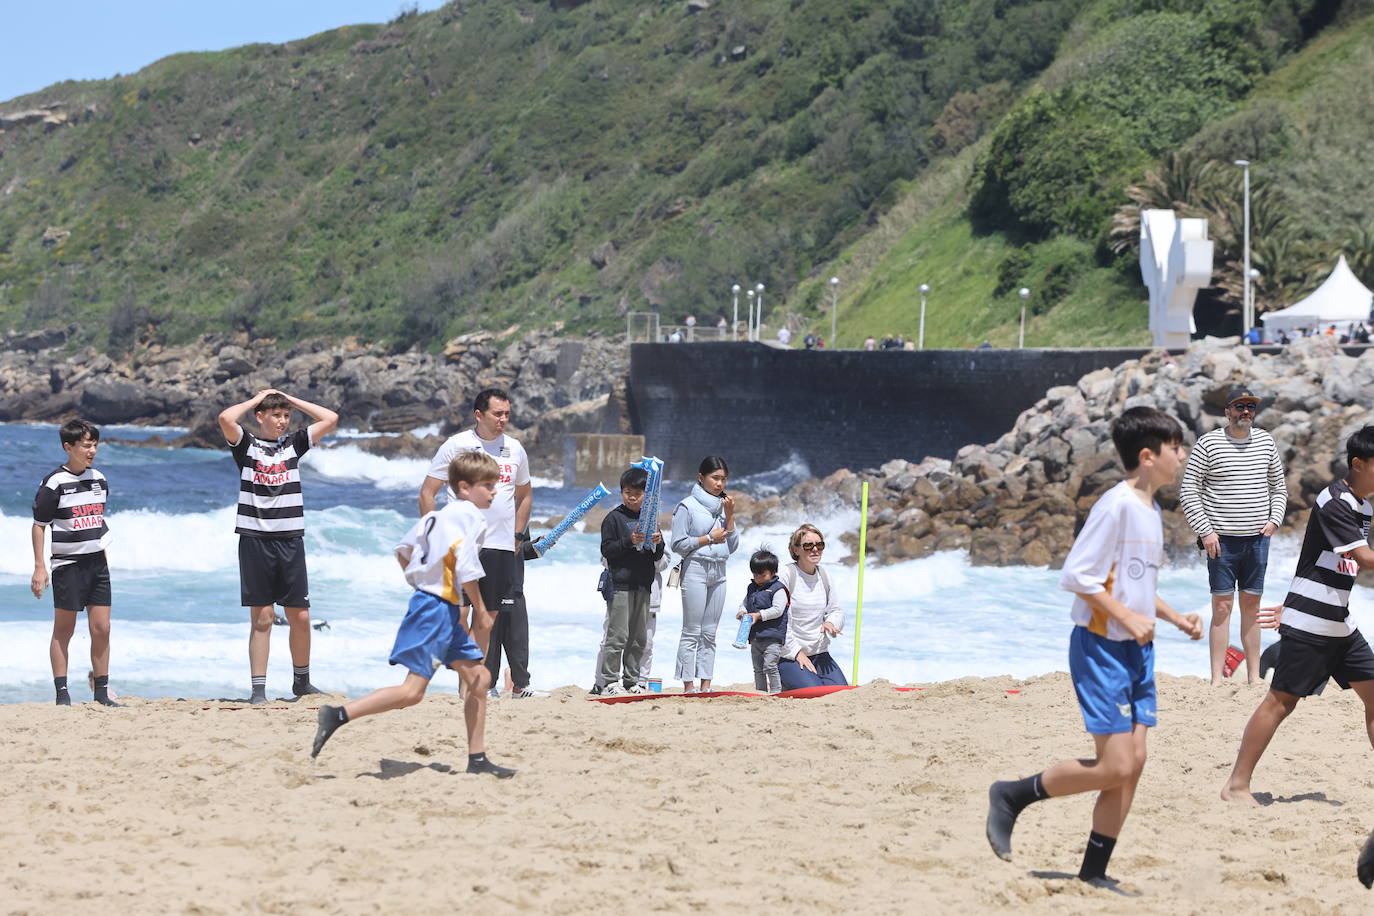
point(301, 673)
point(63, 697)
point(1023, 792)
point(1096, 856)
point(101, 689)
point(479, 757)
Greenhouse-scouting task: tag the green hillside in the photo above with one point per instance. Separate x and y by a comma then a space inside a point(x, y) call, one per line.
point(491, 163)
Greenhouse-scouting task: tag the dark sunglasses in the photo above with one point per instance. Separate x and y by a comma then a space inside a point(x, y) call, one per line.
point(1249, 408)
point(812, 545)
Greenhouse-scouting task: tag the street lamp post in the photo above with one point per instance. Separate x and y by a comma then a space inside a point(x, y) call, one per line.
point(921, 331)
point(1024, 293)
point(734, 325)
point(1252, 275)
point(1247, 310)
point(749, 331)
point(758, 316)
point(834, 303)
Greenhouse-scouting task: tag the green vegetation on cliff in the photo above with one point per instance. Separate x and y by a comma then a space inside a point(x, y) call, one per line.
point(472, 167)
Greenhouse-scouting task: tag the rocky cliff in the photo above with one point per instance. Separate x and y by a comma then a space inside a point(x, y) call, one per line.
point(577, 383)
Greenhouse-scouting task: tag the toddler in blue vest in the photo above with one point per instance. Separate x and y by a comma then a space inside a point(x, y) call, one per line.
point(767, 602)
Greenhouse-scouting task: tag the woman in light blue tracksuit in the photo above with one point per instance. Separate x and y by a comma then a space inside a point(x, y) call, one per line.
point(704, 536)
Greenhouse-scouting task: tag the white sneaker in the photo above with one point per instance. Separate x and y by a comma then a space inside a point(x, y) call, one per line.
point(612, 690)
point(526, 694)
point(636, 689)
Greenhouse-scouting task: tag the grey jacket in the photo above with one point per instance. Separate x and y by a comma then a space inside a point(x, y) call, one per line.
point(695, 516)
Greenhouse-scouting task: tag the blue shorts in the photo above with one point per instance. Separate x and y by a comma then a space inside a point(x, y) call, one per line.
point(1241, 564)
point(1115, 682)
point(431, 637)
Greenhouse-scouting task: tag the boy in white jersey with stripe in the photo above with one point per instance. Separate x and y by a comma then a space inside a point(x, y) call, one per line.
point(71, 502)
point(1317, 638)
point(1112, 570)
point(270, 523)
point(440, 558)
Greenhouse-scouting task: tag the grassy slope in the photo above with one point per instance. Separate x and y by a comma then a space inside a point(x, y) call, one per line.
point(1326, 92)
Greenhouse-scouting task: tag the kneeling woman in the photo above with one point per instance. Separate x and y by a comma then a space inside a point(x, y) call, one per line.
point(814, 616)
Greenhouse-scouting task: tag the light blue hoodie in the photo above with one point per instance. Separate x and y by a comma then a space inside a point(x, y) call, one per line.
point(697, 514)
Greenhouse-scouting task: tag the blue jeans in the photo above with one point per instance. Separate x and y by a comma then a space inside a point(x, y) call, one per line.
point(795, 677)
point(1242, 563)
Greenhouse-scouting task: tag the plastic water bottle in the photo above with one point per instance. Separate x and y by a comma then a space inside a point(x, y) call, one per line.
point(742, 637)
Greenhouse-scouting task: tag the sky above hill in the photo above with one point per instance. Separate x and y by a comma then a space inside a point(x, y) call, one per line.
point(97, 39)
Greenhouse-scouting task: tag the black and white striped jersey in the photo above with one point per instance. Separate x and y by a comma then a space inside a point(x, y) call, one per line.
point(73, 507)
point(270, 503)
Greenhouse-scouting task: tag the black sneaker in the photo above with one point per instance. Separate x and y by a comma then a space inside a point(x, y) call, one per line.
point(486, 766)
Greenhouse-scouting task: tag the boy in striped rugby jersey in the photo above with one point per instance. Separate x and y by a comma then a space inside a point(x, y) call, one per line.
point(271, 526)
point(440, 559)
point(71, 501)
point(1317, 638)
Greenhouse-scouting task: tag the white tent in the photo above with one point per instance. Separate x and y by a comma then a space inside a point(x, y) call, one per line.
point(1340, 300)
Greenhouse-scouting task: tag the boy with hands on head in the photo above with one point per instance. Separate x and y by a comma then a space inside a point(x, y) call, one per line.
point(1112, 569)
point(439, 556)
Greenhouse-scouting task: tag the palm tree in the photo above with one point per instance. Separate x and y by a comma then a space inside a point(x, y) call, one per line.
point(1179, 182)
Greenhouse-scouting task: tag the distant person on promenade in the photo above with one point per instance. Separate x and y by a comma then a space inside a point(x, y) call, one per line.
point(704, 536)
point(1317, 638)
point(71, 502)
point(631, 571)
point(870, 343)
point(271, 526)
point(785, 337)
point(1112, 569)
point(439, 556)
point(505, 622)
point(1233, 495)
point(813, 617)
point(766, 600)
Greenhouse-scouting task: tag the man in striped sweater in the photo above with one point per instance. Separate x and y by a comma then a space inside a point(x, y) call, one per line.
point(1234, 497)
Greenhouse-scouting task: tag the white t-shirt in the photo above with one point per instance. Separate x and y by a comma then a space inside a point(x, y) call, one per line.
point(1119, 550)
point(515, 472)
point(441, 550)
point(809, 612)
point(784, 336)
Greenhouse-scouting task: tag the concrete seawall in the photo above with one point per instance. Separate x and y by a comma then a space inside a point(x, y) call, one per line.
point(755, 404)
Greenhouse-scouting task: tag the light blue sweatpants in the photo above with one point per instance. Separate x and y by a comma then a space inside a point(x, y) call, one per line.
point(703, 599)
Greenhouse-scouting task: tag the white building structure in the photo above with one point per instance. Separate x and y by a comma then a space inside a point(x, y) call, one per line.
point(1175, 262)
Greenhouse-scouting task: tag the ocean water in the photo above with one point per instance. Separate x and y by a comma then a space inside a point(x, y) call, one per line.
point(178, 629)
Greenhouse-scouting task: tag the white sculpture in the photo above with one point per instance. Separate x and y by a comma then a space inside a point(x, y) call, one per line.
point(1175, 262)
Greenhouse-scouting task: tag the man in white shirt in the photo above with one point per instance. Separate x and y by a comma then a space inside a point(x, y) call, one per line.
point(503, 581)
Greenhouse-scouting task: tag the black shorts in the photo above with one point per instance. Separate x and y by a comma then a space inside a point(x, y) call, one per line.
point(1306, 660)
point(498, 579)
point(85, 583)
point(272, 571)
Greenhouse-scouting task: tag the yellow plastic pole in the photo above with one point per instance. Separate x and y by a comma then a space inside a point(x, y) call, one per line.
point(859, 601)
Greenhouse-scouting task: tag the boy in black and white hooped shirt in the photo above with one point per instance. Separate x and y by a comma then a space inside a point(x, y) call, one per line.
point(271, 526)
point(1317, 638)
point(71, 501)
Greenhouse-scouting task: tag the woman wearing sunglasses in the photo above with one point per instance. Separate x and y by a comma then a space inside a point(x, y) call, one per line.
point(815, 616)
point(704, 536)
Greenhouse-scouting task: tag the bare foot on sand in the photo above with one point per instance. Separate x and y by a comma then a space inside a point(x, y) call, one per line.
point(1238, 795)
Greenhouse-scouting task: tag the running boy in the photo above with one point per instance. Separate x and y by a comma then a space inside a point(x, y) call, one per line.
point(271, 526)
point(1112, 570)
point(71, 501)
point(632, 576)
point(440, 558)
point(1317, 639)
point(767, 599)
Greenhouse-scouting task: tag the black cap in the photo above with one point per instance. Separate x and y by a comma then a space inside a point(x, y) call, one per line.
point(1241, 396)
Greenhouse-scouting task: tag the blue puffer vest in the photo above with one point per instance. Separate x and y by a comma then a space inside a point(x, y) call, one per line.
point(759, 598)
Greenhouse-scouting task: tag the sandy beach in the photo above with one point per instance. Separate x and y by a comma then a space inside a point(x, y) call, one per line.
point(868, 801)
